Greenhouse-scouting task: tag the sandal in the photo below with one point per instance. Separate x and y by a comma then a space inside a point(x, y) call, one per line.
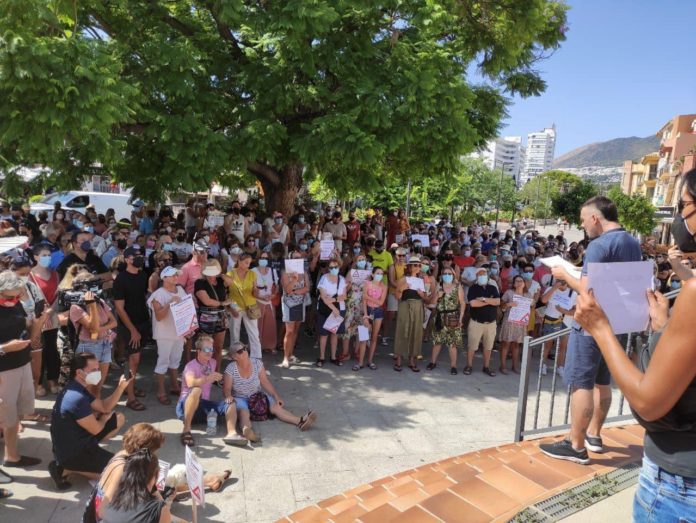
point(187, 439)
point(164, 399)
point(220, 481)
point(488, 371)
point(135, 405)
point(4, 493)
point(414, 368)
point(467, 370)
point(453, 371)
point(319, 363)
point(40, 418)
point(357, 367)
point(40, 392)
point(431, 366)
point(503, 371)
point(344, 357)
point(397, 368)
point(337, 362)
point(372, 366)
point(139, 393)
point(307, 420)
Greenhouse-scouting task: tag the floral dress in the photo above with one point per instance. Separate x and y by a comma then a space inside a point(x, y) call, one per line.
point(511, 331)
point(443, 335)
point(354, 312)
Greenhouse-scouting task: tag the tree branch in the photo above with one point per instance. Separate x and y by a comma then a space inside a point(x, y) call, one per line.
point(264, 171)
point(226, 34)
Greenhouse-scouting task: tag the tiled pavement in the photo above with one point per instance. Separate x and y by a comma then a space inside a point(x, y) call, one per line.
point(492, 484)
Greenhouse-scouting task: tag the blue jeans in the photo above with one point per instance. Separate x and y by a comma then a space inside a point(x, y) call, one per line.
point(662, 496)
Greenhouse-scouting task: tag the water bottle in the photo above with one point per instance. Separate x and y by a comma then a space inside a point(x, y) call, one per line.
point(211, 429)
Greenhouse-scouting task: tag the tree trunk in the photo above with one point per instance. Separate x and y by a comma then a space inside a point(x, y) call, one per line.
point(280, 193)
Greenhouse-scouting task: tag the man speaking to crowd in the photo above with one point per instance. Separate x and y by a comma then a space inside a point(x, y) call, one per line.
point(586, 372)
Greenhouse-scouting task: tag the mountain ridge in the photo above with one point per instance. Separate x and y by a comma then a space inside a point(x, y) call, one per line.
point(611, 153)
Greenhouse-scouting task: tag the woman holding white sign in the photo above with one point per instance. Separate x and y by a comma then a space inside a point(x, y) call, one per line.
point(355, 278)
point(512, 332)
point(332, 305)
point(374, 296)
point(410, 291)
point(169, 346)
point(295, 283)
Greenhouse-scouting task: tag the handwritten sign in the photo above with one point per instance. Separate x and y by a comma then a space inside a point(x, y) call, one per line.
point(194, 477)
point(424, 239)
point(359, 276)
point(562, 300)
point(162, 476)
point(184, 314)
point(295, 266)
point(415, 283)
point(326, 249)
point(520, 313)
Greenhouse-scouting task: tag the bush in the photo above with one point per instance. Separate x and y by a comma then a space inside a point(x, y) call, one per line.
point(36, 198)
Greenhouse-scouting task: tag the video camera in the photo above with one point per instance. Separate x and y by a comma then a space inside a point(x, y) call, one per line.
point(76, 295)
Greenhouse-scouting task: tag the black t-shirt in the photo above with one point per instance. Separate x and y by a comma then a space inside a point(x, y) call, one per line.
point(69, 439)
point(13, 321)
point(132, 289)
point(487, 313)
point(147, 512)
point(92, 261)
point(216, 292)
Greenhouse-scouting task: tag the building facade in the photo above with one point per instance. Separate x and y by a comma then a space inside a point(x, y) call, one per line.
point(641, 177)
point(541, 147)
point(506, 152)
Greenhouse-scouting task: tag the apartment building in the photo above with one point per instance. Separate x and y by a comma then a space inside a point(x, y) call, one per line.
point(506, 152)
point(540, 152)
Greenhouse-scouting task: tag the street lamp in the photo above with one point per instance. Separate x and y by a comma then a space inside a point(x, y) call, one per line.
point(500, 188)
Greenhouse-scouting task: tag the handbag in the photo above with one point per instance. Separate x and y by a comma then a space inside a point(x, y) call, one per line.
point(275, 300)
point(253, 311)
point(258, 406)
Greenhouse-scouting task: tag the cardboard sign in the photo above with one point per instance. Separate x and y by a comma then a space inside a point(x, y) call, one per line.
point(184, 314)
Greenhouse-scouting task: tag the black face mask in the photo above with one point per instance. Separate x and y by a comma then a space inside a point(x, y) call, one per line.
point(121, 244)
point(507, 264)
point(682, 237)
point(180, 238)
point(138, 262)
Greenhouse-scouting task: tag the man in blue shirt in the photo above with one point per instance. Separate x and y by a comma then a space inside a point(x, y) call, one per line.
point(76, 430)
point(585, 370)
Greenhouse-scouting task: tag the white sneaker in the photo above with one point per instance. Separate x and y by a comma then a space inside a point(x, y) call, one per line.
point(285, 364)
point(294, 360)
point(559, 371)
point(544, 369)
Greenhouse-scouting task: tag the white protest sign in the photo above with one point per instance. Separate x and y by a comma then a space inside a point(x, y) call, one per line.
point(194, 478)
point(359, 276)
point(162, 476)
point(215, 220)
point(620, 288)
point(295, 266)
point(326, 248)
point(562, 299)
point(415, 283)
point(363, 333)
point(184, 314)
point(520, 313)
point(332, 323)
point(399, 238)
point(557, 261)
point(424, 239)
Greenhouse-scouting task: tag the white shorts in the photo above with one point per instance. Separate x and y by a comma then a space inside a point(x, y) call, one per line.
point(392, 303)
point(17, 394)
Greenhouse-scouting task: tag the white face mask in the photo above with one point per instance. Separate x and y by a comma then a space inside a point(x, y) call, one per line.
point(93, 378)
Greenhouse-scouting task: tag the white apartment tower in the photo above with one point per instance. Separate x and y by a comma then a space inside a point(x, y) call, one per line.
point(540, 152)
point(505, 152)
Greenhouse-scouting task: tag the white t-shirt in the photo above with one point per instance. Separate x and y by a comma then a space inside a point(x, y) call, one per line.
point(330, 288)
point(264, 280)
point(183, 250)
point(235, 226)
point(164, 329)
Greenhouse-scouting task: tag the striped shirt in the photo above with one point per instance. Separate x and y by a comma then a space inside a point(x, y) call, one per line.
point(245, 387)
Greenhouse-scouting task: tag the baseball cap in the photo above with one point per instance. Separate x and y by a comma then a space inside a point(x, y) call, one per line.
point(133, 250)
point(530, 250)
point(168, 271)
point(505, 247)
point(200, 246)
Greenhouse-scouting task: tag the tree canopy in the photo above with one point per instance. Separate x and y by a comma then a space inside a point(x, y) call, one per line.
point(539, 192)
point(569, 203)
point(173, 95)
point(636, 213)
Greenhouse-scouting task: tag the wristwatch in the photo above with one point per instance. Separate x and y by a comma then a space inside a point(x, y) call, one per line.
point(2, 349)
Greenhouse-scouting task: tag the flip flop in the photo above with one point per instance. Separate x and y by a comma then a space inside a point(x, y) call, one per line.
point(24, 462)
point(307, 420)
point(221, 480)
point(397, 368)
point(5, 478)
point(414, 368)
point(40, 418)
point(135, 405)
point(187, 439)
point(164, 399)
point(139, 393)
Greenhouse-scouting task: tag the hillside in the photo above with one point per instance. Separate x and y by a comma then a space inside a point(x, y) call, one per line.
point(608, 154)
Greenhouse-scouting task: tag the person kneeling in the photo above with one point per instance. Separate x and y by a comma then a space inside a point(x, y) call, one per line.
point(80, 422)
point(194, 403)
point(245, 378)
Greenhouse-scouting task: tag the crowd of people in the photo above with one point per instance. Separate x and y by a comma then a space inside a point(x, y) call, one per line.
point(82, 294)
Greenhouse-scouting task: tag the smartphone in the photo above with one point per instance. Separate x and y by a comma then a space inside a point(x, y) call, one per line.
point(24, 335)
point(126, 371)
point(168, 491)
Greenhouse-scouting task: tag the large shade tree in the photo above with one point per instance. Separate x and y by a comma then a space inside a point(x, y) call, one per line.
point(170, 95)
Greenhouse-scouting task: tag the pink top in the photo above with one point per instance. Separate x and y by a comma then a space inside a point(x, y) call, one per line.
point(374, 294)
point(190, 272)
point(198, 370)
point(77, 313)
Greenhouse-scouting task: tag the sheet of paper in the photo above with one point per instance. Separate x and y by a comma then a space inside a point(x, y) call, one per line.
point(426, 317)
point(359, 276)
point(326, 236)
point(326, 247)
point(215, 220)
point(520, 313)
point(557, 261)
point(415, 283)
point(184, 313)
point(333, 322)
point(561, 299)
point(162, 476)
point(423, 238)
point(194, 477)
point(295, 266)
point(620, 288)
point(399, 238)
point(363, 333)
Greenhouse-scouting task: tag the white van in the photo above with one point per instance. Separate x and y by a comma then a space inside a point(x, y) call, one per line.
point(79, 200)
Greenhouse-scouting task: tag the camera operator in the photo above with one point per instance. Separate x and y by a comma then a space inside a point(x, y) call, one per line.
point(82, 254)
point(93, 321)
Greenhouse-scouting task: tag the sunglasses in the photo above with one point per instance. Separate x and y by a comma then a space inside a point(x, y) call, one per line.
point(207, 350)
point(684, 203)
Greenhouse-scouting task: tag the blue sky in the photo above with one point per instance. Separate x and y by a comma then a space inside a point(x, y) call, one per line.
point(625, 68)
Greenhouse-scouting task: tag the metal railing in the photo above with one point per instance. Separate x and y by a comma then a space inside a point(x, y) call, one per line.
point(548, 408)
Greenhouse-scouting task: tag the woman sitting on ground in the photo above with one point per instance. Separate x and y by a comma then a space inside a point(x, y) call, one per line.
point(245, 377)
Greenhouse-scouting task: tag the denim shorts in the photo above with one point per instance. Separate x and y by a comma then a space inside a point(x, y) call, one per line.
point(242, 403)
point(551, 328)
point(662, 496)
point(100, 348)
point(204, 406)
point(377, 313)
point(584, 365)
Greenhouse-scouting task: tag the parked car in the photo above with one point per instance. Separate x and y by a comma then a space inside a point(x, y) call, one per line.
point(79, 200)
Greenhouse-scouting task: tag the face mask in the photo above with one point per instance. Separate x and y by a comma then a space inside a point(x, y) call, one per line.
point(301, 219)
point(180, 237)
point(527, 275)
point(167, 246)
point(235, 211)
point(235, 250)
point(494, 271)
point(93, 378)
point(507, 264)
point(121, 244)
point(493, 257)
point(482, 280)
point(536, 262)
point(676, 285)
point(425, 269)
point(77, 223)
point(435, 249)
point(683, 237)
point(448, 257)
point(45, 261)
point(380, 249)
point(149, 244)
point(303, 247)
point(361, 264)
point(89, 229)
point(278, 221)
point(86, 246)
point(138, 262)
point(448, 278)
point(263, 262)
point(59, 217)
point(334, 271)
point(377, 277)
